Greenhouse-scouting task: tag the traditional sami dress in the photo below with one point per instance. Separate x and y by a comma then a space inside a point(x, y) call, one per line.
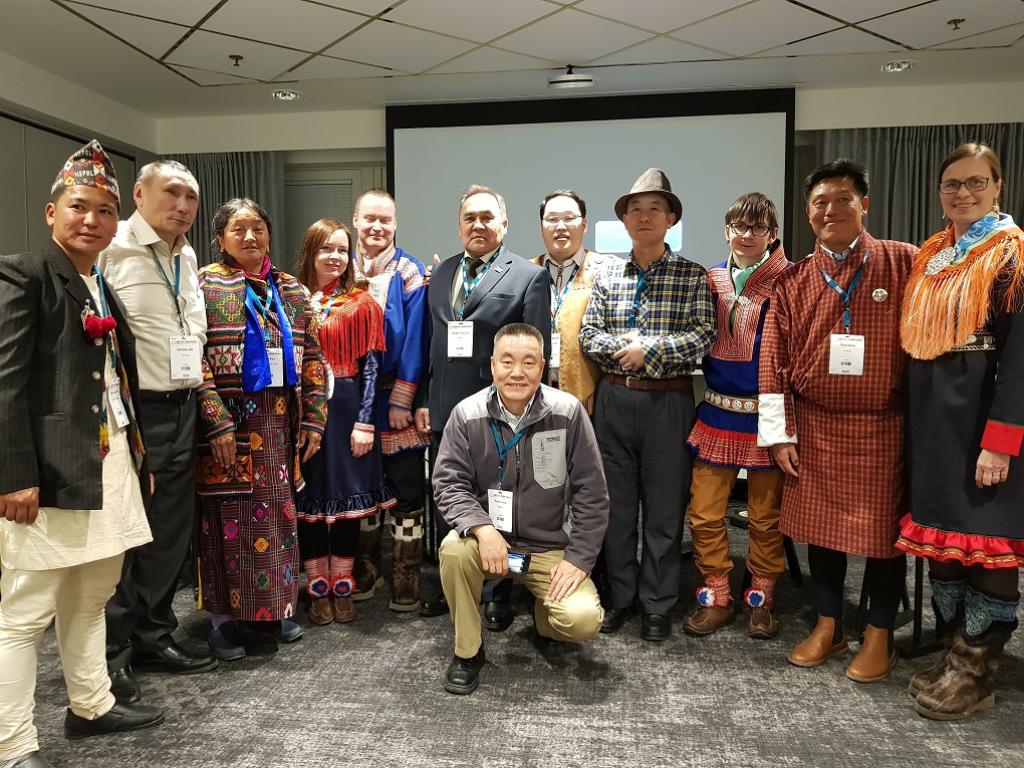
point(725, 434)
point(964, 330)
point(340, 486)
point(848, 429)
point(248, 552)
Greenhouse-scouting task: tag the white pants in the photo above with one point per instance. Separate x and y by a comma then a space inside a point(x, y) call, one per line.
point(29, 600)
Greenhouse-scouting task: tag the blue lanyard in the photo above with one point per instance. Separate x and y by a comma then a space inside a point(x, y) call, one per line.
point(640, 283)
point(467, 287)
point(105, 312)
point(175, 289)
point(847, 295)
point(327, 304)
point(560, 295)
point(504, 448)
point(264, 307)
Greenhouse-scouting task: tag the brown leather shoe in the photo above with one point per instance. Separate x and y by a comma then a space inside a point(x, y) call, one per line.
point(818, 647)
point(762, 622)
point(705, 620)
point(876, 657)
point(344, 610)
point(321, 611)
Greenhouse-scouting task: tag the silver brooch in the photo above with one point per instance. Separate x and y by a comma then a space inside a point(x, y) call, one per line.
point(940, 260)
point(879, 295)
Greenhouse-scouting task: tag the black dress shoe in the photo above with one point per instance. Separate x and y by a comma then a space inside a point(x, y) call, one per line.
point(175, 660)
point(434, 606)
point(655, 627)
point(121, 717)
point(463, 675)
point(124, 686)
point(498, 615)
point(614, 618)
point(32, 760)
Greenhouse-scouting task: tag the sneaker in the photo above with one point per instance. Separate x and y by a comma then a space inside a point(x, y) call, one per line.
point(227, 642)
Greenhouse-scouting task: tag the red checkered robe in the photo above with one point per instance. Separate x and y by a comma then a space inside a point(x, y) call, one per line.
point(848, 429)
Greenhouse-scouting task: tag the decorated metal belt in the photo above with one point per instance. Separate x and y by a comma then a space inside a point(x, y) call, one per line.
point(977, 342)
point(730, 403)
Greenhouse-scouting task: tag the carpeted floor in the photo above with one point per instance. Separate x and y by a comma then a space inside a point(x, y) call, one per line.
point(369, 693)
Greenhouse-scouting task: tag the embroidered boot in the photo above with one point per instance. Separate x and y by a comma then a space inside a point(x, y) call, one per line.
point(407, 533)
point(948, 605)
point(714, 609)
point(762, 622)
point(320, 609)
point(827, 640)
point(367, 569)
point(342, 586)
point(876, 657)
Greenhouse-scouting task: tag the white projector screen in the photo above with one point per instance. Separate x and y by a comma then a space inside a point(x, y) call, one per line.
point(710, 160)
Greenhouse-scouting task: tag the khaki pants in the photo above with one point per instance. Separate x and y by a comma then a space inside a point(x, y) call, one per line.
point(76, 596)
point(709, 497)
point(573, 619)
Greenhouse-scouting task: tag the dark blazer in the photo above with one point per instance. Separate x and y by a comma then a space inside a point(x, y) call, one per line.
point(511, 291)
point(51, 381)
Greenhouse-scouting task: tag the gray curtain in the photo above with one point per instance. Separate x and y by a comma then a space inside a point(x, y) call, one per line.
point(224, 175)
point(903, 166)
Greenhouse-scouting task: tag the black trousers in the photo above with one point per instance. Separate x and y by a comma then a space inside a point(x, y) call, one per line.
point(404, 472)
point(139, 615)
point(318, 539)
point(883, 576)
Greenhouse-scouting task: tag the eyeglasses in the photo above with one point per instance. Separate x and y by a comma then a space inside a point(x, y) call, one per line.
point(569, 220)
point(757, 230)
point(973, 184)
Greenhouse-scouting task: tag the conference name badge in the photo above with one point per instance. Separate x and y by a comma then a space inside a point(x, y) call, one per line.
point(275, 356)
point(117, 409)
point(186, 358)
point(499, 506)
point(846, 355)
point(556, 350)
point(460, 338)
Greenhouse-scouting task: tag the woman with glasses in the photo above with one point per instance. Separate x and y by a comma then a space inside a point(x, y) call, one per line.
point(262, 411)
point(963, 329)
point(345, 480)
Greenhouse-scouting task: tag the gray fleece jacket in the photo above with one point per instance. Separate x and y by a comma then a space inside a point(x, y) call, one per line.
point(555, 466)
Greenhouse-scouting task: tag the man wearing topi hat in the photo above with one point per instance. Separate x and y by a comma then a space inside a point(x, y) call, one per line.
point(72, 480)
point(649, 322)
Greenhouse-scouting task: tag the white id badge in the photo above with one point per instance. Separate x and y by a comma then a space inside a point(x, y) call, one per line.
point(115, 403)
point(499, 505)
point(460, 338)
point(276, 357)
point(186, 358)
point(556, 350)
point(846, 355)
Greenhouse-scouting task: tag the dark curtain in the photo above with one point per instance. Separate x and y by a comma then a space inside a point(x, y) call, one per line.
point(903, 167)
point(224, 175)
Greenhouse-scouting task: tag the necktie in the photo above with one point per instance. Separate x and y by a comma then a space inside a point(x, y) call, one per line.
point(472, 267)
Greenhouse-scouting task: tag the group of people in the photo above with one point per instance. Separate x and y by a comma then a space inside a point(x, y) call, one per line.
point(873, 393)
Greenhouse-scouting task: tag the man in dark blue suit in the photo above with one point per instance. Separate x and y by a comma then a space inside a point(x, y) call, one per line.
point(471, 296)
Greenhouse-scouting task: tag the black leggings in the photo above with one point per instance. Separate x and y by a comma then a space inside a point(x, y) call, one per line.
point(318, 539)
point(883, 576)
point(1000, 583)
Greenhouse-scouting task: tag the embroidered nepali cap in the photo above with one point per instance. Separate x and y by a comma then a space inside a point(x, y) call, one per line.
point(651, 181)
point(90, 166)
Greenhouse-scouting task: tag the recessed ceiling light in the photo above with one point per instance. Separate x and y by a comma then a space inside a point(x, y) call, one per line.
point(570, 79)
point(286, 94)
point(896, 66)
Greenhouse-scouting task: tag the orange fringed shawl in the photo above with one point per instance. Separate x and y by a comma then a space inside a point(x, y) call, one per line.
point(942, 310)
point(350, 326)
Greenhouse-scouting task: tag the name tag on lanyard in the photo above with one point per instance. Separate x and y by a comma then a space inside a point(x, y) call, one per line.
point(116, 405)
point(846, 355)
point(275, 356)
point(186, 358)
point(556, 349)
point(499, 507)
point(460, 338)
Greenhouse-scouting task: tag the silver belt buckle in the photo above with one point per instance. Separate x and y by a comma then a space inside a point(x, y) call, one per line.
point(630, 380)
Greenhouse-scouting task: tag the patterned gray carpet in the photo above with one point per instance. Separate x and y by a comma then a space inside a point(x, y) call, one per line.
point(369, 693)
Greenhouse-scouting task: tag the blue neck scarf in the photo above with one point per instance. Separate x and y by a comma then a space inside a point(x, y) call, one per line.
point(256, 374)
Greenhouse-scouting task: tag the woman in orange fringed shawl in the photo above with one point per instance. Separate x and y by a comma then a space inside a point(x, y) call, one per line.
point(963, 328)
point(345, 480)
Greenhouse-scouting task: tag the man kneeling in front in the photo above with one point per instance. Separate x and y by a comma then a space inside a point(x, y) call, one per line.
point(518, 477)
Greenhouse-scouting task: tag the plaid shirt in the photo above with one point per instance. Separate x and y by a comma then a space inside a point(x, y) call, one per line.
point(675, 319)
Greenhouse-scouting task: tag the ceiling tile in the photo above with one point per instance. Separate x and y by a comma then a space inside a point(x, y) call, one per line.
point(209, 50)
point(293, 23)
point(205, 77)
point(153, 37)
point(326, 68)
point(181, 11)
point(755, 27)
point(399, 47)
point(479, 20)
point(926, 25)
point(1005, 36)
point(571, 37)
point(861, 9)
point(660, 49)
point(843, 40)
point(657, 15)
point(369, 7)
point(489, 59)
